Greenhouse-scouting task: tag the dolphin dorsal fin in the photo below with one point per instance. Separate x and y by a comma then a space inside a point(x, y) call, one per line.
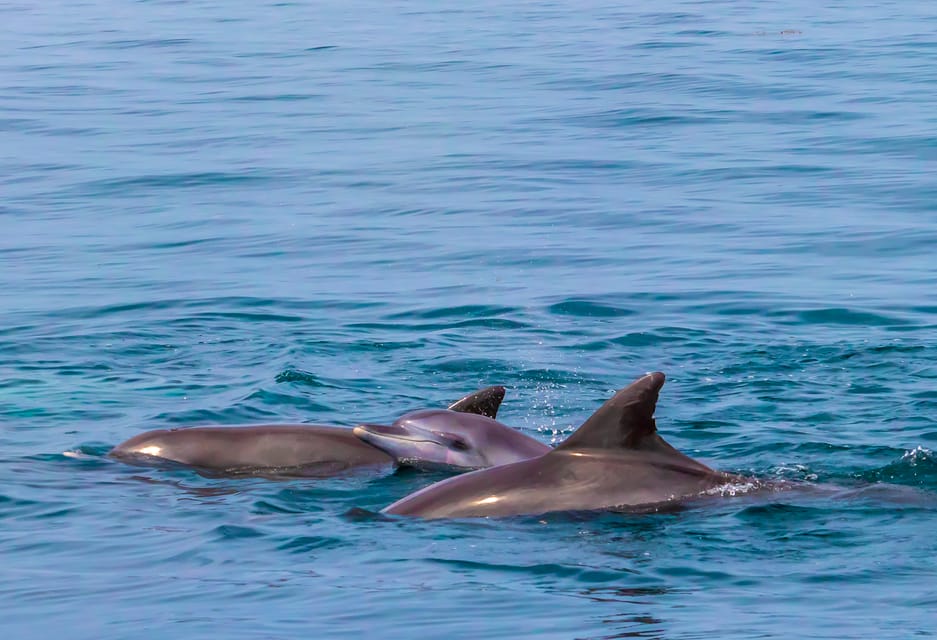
point(626, 421)
point(484, 402)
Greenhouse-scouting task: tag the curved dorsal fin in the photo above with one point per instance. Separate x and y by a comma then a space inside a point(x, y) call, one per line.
point(485, 402)
point(625, 421)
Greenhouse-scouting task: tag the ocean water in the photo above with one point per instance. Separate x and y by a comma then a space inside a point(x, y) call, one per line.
point(332, 212)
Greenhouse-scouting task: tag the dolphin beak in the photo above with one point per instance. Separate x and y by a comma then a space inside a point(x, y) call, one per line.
point(365, 430)
point(382, 433)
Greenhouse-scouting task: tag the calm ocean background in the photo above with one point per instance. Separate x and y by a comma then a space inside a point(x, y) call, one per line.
point(331, 212)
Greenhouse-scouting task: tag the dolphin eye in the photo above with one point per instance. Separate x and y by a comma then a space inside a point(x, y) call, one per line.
point(459, 445)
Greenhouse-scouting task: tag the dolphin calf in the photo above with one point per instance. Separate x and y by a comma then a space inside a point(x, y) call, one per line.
point(615, 460)
point(444, 439)
point(283, 450)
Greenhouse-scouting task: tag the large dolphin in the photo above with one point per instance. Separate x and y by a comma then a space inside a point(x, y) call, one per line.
point(281, 450)
point(444, 439)
point(615, 460)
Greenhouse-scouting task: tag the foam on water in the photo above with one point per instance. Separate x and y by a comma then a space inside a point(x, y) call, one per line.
point(733, 489)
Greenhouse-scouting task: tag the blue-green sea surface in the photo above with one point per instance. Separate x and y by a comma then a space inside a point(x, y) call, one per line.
point(331, 212)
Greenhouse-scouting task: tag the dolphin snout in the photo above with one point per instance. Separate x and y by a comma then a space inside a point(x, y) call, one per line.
point(365, 430)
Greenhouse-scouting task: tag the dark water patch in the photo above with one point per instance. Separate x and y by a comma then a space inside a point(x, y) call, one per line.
point(703, 33)
point(837, 316)
point(309, 497)
point(630, 595)
point(278, 97)
point(655, 337)
point(489, 323)
point(826, 449)
point(750, 173)
point(464, 365)
point(358, 515)
point(900, 244)
point(703, 426)
point(183, 485)
point(894, 349)
point(274, 398)
point(196, 243)
point(666, 44)
point(301, 378)
point(51, 512)
point(671, 81)
point(793, 117)
point(175, 181)
point(11, 507)
point(780, 512)
point(579, 574)
point(212, 304)
point(208, 317)
point(20, 382)
point(926, 309)
point(20, 125)
point(236, 532)
point(152, 43)
point(588, 309)
point(308, 544)
point(643, 118)
point(117, 309)
point(805, 357)
point(713, 576)
point(917, 468)
point(270, 507)
point(670, 17)
point(586, 166)
point(867, 389)
point(459, 313)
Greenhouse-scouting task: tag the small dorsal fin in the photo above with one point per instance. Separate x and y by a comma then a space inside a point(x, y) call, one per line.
point(485, 402)
point(625, 421)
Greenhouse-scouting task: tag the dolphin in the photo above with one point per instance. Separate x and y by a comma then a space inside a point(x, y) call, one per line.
point(443, 439)
point(275, 449)
point(615, 460)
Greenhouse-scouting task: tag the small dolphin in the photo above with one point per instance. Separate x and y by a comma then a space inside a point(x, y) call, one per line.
point(441, 439)
point(281, 450)
point(615, 460)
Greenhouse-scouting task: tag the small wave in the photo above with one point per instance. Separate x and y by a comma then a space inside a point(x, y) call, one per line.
point(87, 451)
point(78, 455)
point(795, 471)
point(299, 376)
point(918, 455)
point(585, 308)
point(916, 467)
point(838, 316)
point(237, 532)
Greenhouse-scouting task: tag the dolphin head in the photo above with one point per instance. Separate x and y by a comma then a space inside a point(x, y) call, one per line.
point(143, 446)
point(438, 438)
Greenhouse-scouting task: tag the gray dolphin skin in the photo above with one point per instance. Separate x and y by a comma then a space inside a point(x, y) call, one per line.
point(283, 450)
point(441, 439)
point(277, 449)
point(615, 460)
